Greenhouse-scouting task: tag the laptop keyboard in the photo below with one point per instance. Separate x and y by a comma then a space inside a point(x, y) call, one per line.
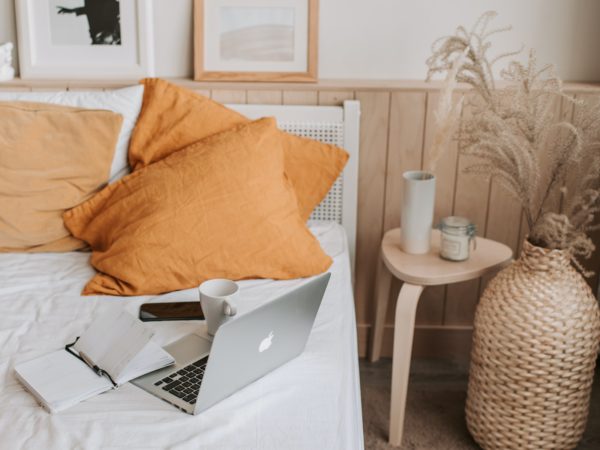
point(185, 383)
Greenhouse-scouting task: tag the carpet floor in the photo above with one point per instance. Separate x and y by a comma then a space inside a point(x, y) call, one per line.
point(435, 407)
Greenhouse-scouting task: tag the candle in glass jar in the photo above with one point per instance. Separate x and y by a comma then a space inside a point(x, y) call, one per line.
point(456, 236)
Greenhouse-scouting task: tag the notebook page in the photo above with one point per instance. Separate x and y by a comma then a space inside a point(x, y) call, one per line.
point(152, 357)
point(59, 380)
point(113, 340)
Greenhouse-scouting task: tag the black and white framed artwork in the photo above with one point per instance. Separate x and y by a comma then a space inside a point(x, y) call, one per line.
point(91, 39)
point(85, 22)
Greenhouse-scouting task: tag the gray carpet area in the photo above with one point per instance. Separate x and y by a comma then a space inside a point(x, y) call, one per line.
point(435, 411)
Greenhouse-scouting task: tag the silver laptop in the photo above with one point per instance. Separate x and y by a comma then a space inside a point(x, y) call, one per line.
point(242, 351)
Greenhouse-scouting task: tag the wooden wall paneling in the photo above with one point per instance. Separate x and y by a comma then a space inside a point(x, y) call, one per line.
point(405, 148)
point(300, 97)
point(408, 112)
point(264, 97)
point(204, 92)
point(229, 96)
point(442, 342)
point(431, 305)
point(334, 98)
point(471, 201)
point(568, 113)
point(461, 302)
point(374, 127)
point(566, 109)
point(445, 170)
point(593, 263)
point(429, 341)
point(363, 337)
point(503, 222)
point(563, 110)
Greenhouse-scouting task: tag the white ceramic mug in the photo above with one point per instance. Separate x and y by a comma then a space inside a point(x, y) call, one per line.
point(217, 303)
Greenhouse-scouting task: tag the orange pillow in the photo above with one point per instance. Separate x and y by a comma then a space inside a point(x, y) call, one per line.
point(220, 208)
point(173, 118)
point(51, 159)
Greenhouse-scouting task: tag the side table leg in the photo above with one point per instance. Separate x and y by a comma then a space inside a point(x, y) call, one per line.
point(383, 281)
point(404, 326)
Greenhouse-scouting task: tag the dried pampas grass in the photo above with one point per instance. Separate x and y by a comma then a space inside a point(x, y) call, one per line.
point(447, 113)
point(513, 129)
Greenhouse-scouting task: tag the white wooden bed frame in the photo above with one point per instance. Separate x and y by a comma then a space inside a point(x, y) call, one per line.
point(337, 125)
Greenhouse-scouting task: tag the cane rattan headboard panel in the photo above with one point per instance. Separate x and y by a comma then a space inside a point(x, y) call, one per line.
point(337, 125)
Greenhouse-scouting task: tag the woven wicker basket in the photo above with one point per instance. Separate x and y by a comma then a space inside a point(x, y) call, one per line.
point(535, 344)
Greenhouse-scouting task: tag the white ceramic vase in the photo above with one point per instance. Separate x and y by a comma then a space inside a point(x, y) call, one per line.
point(417, 211)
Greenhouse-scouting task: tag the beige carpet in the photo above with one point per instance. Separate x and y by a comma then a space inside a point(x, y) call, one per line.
point(435, 410)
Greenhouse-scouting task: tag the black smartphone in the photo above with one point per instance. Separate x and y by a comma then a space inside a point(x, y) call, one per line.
point(171, 311)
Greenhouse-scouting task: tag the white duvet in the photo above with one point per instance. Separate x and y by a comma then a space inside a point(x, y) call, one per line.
point(312, 402)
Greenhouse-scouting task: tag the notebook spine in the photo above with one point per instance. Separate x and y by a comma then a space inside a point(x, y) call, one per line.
point(82, 357)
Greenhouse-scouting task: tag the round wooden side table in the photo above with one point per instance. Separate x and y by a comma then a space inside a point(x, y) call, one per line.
point(418, 271)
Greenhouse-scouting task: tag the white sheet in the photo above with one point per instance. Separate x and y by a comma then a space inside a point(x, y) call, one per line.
point(313, 402)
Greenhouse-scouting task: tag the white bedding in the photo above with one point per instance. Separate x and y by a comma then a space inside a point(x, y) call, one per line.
point(312, 402)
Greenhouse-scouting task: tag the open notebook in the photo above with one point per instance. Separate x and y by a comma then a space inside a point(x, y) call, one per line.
point(116, 342)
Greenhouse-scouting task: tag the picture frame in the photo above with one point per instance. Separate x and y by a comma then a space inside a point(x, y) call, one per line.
point(65, 39)
point(256, 40)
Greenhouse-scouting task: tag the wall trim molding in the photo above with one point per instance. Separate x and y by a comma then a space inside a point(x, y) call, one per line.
point(320, 85)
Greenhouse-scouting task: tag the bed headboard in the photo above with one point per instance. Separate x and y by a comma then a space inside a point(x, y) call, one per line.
point(337, 125)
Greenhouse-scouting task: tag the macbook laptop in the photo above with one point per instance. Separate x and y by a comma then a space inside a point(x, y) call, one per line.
point(242, 351)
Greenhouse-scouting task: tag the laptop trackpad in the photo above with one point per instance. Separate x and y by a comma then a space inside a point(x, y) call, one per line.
point(189, 348)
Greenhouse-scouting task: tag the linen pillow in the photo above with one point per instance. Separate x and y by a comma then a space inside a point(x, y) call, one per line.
point(126, 101)
point(173, 118)
point(220, 208)
point(51, 159)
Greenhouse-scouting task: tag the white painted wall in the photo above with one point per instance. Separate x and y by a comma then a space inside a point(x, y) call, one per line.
point(390, 39)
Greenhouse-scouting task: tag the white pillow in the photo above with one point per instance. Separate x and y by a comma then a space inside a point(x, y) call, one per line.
point(126, 101)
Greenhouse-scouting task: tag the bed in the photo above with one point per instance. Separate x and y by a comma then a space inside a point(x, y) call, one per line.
point(311, 402)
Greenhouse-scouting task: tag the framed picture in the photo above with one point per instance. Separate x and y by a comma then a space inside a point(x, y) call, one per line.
point(85, 39)
point(256, 40)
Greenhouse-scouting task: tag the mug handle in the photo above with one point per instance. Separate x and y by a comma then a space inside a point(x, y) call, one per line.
point(229, 308)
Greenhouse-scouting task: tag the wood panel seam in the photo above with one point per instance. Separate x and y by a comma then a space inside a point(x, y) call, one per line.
point(385, 173)
point(424, 131)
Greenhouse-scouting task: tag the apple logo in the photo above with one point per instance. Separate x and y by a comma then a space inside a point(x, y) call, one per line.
point(266, 343)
